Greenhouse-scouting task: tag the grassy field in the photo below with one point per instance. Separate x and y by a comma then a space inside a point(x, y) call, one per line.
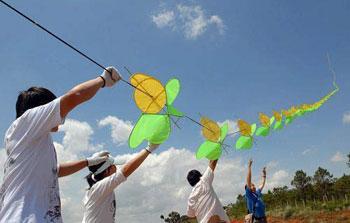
point(333, 211)
point(311, 217)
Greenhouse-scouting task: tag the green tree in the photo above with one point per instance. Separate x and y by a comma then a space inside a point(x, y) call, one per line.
point(341, 186)
point(301, 182)
point(280, 195)
point(323, 181)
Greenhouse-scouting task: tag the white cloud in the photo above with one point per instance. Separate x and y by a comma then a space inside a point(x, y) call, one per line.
point(308, 151)
point(120, 129)
point(338, 157)
point(218, 22)
point(64, 154)
point(192, 20)
point(279, 178)
point(77, 136)
point(271, 165)
point(346, 118)
point(163, 19)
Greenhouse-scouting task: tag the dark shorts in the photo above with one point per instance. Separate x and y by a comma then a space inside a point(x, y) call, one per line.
point(260, 220)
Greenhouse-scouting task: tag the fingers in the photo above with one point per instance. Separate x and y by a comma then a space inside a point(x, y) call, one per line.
point(101, 153)
point(110, 76)
point(104, 153)
point(250, 162)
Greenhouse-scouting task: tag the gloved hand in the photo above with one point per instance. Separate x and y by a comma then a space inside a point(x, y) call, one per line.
point(97, 158)
point(151, 147)
point(110, 78)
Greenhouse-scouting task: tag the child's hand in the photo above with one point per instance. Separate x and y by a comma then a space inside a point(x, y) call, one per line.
point(250, 162)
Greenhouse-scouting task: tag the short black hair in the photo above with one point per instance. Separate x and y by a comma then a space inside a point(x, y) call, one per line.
point(31, 98)
point(193, 177)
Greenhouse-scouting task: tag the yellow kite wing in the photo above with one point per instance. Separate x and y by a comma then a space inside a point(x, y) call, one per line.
point(244, 127)
point(277, 115)
point(155, 99)
point(211, 129)
point(264, 119)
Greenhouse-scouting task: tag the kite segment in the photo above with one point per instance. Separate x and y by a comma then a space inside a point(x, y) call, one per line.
point(212, 147)
point(266, 122)
point(153, 126)
point(245, 141)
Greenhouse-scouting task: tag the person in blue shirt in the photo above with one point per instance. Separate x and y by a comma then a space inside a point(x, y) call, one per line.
point(253, 196)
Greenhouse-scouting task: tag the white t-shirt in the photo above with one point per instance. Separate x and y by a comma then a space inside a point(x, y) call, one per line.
point(29, 192)
point(203, 202)
point(99, 201)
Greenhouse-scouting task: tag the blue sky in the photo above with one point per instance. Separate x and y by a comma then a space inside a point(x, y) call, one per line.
point(264, 55)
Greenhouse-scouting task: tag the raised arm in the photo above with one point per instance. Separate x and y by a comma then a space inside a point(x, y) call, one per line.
point(85, 91)
point(133, 164)
point(261, 187)
point(249, 175)
point(212, 164)
point(68, 168)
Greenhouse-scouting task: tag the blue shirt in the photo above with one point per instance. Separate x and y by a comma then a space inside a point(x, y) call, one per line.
point(255, 199)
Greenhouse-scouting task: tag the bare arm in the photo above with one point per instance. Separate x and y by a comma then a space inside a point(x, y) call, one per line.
point(69, 168)
point(249, 176)
point(79, 94)
point(212, 164)
point(133, 164)
point(263, 179)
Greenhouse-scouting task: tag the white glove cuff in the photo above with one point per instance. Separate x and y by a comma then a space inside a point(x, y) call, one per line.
point(151, 147)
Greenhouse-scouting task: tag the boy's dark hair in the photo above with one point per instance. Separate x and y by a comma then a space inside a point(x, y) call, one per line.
point(97, 177)
point(31, 98)
point(193, 177)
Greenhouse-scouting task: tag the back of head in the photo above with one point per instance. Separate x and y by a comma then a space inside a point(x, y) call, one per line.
point(94, 179)
point(31, 98)
point(193, 177)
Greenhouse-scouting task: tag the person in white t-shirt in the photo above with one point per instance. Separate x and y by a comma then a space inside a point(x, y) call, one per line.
point(29, 192)
point(203, 203)
point(99, 201)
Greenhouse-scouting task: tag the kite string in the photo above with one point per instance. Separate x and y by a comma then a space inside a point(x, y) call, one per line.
point(67, 44)
point(330, 67)
point(198, 123)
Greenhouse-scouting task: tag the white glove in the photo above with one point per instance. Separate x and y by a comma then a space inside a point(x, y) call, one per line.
point(151, 147)
point(97, 158)
point(111, 77)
